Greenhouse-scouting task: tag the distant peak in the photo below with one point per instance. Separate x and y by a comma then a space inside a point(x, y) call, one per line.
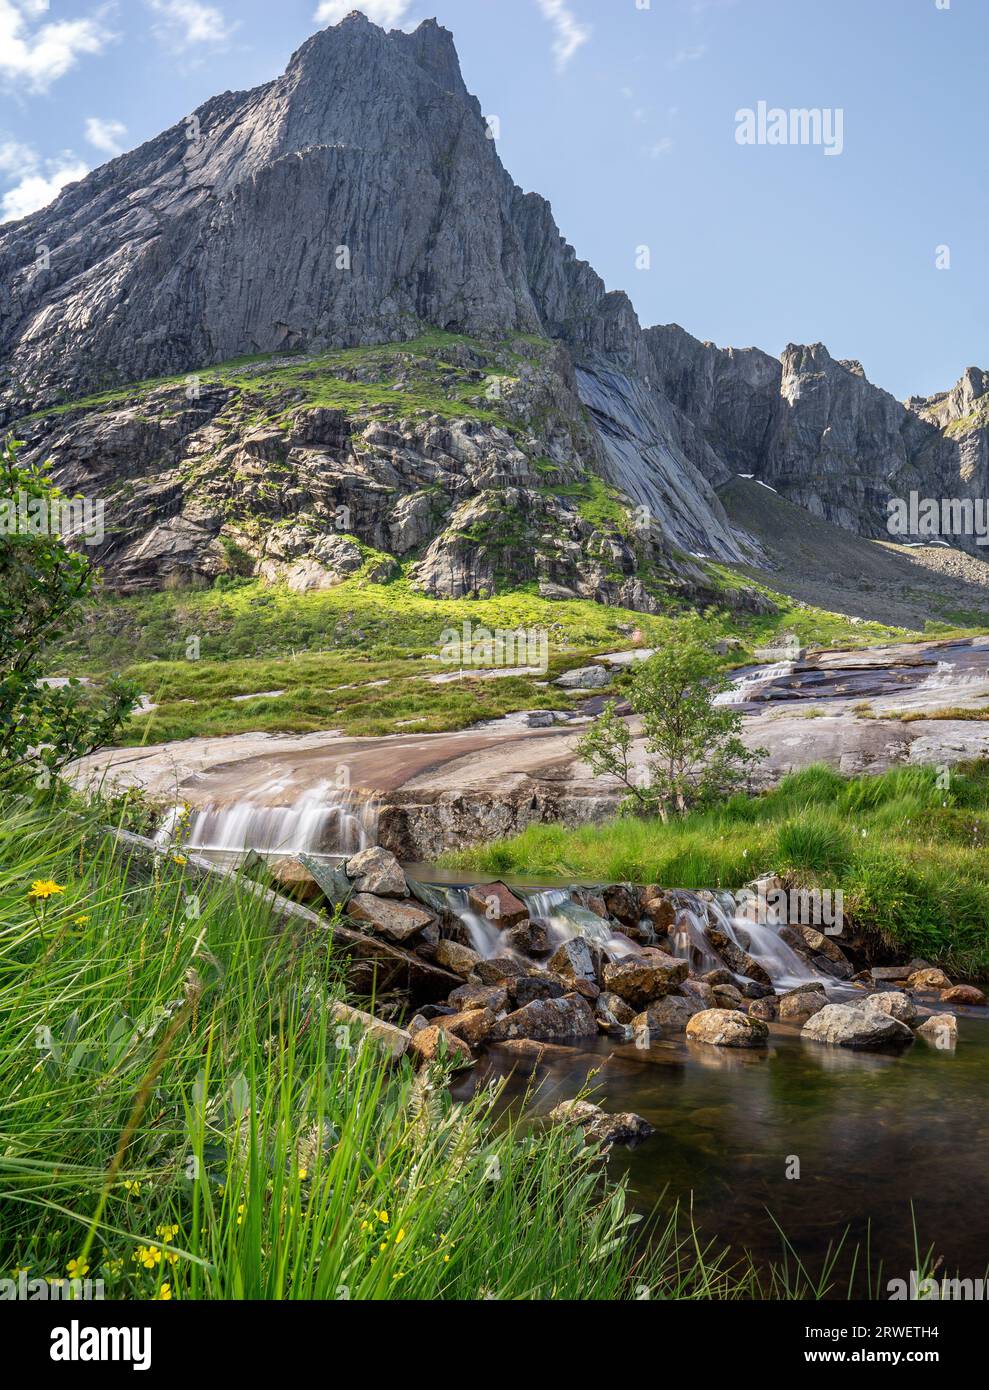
point(430, 45)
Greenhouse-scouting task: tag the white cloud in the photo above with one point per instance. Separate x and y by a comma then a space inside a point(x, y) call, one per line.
point(570, 33)
point(186, 23)
point(387, 13)
point(688, 55)
point(36, 182)
point(106, 136)
point(37, 54)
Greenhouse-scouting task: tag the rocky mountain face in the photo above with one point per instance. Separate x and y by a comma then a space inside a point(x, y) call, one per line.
point(815, 429)
point(354, 202)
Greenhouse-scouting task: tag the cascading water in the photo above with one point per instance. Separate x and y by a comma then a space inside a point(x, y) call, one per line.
point(762, 941)
point(485, 937)
point(322, 820)
point(744, 687)
point(564, 919)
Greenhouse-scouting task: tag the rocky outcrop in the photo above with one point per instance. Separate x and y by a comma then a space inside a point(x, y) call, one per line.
point(359, 200)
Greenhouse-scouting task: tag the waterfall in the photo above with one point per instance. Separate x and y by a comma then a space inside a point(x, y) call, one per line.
point(322, 820)
point(745, 686)
point(564, 919)
point(762, 941)
point(485, 937)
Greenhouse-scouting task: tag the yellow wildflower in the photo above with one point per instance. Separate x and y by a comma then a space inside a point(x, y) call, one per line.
point(165, 1293)
point(400, 1236)
point(81, 921)
point(179, 859)
point(44, 888)
point(133, 1187)
point(240, 1213)
point(167, 1232)
point(383, 1217)
point(78, 1269)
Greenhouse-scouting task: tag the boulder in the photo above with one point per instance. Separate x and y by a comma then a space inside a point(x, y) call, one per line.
point(528, 938)
point(434, 1043)
point(699, 990)
point(499, 968)
point(622, 901)
point(963, 994)
point(611, 1009)
point(548, 1020)
point(379, 872)
point(397, 921)
point(941, 1030)
point(452, 956)
point(575, 960)
point(929, 978)
point(529, 987)
point(728, 997)
point(641, 979)
point(726, 1028)
point(585, 678)
point(893, 1002)
point(891, 974)
point(799, 1004)
point(493, 997)
point(718, 977)
point(848, 1025)
point(669, 1015)
point(393, 1041)
point(599, 1126)
point(751, 989)
point(294, 879)
point(821, 945)
point(656, 905)
point(473, 1026)
point(766, 1009)
point(497, 904)
point(332, 878)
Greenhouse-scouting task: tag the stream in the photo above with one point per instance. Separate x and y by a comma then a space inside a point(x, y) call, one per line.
point(873, 1134)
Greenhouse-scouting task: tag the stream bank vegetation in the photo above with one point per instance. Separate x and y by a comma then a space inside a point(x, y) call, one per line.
point(908, 849)
point(180, 1117)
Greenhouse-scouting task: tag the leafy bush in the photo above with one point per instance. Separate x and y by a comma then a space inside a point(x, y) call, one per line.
point(43, 583)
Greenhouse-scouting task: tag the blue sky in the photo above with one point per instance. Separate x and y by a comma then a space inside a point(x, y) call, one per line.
point(623, 114)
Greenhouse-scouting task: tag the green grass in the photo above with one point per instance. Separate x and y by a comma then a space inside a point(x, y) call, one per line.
point(441, 373)
point(909, 854)
point(177, 1108)
point(252, 637)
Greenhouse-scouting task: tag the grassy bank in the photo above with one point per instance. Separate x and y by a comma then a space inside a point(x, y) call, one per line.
point(355, 658)
point(179, 1117)
point(909, 854)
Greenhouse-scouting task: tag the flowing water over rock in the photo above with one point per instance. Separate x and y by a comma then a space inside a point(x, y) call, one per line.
point(322, 820)
point(564, 919)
